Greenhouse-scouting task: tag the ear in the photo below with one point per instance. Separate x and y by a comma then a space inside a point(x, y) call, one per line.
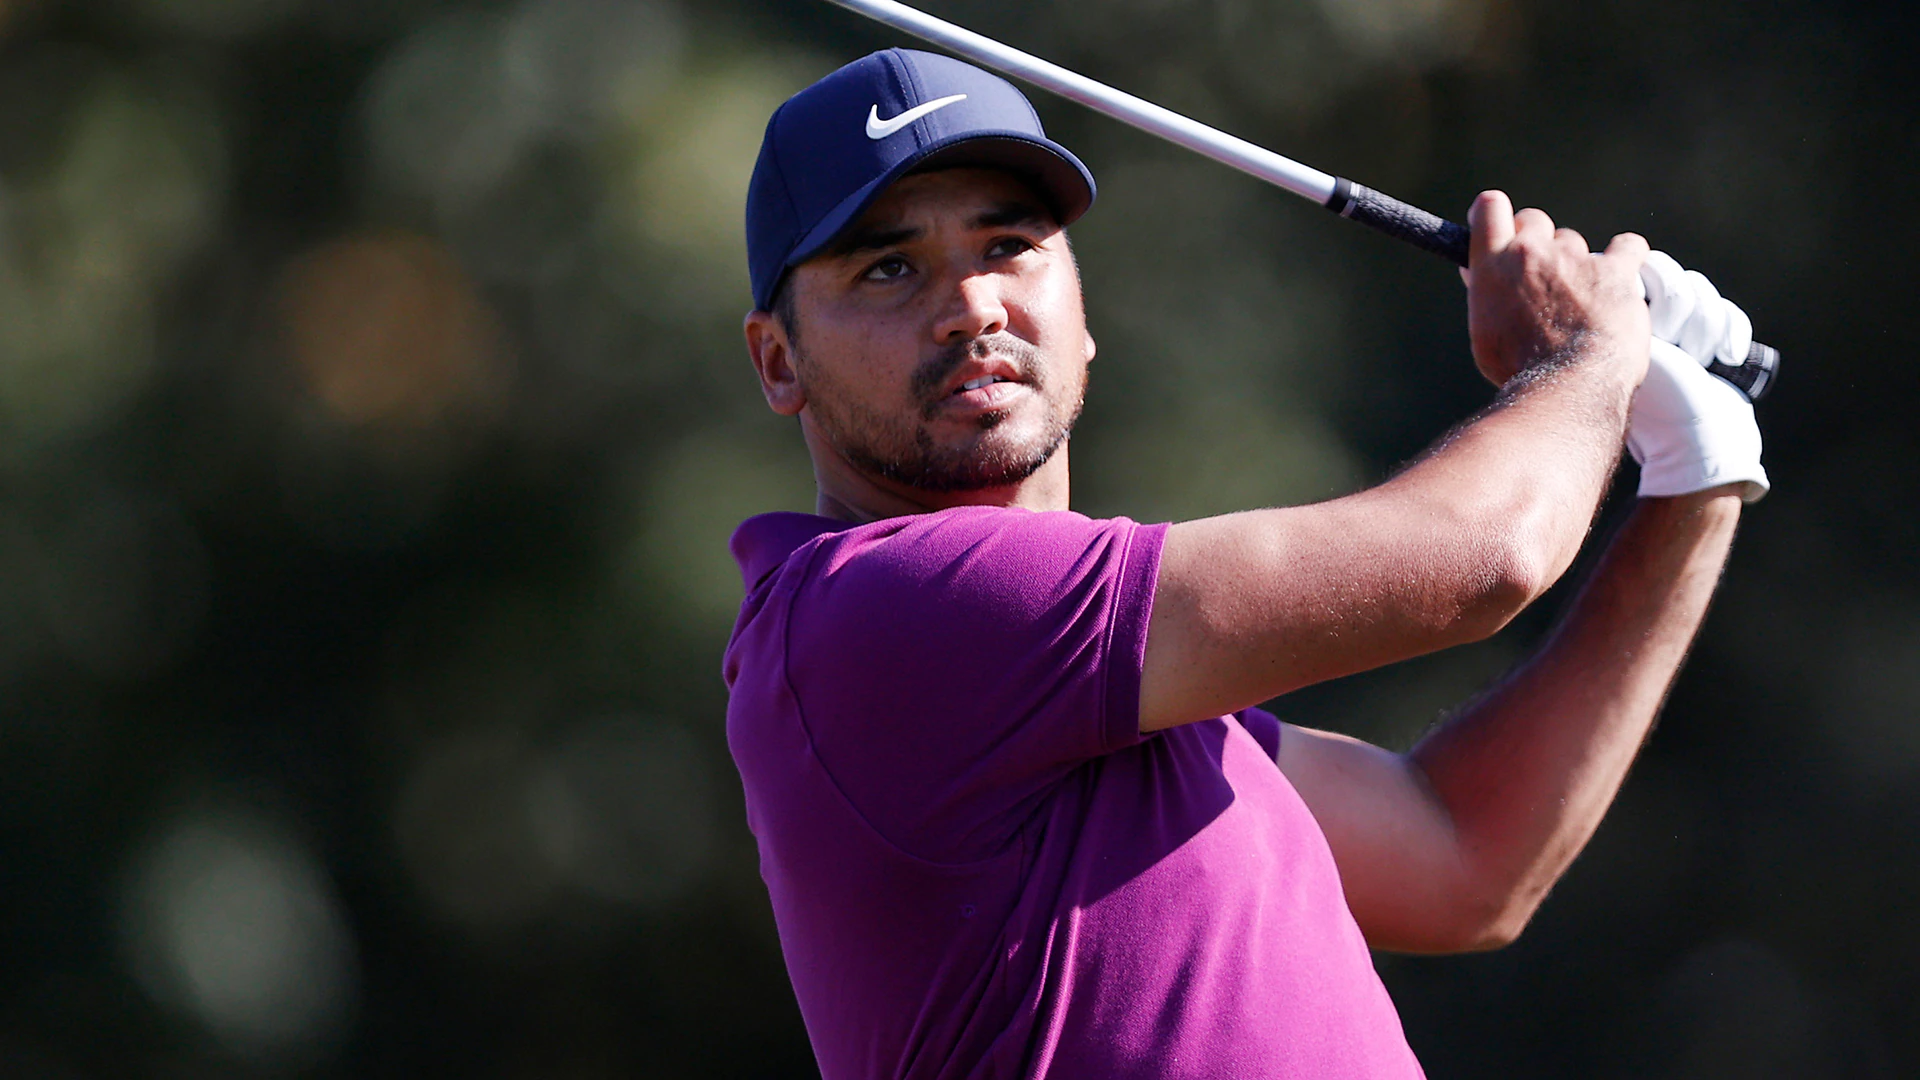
point(1091, 347)
point(772, 354)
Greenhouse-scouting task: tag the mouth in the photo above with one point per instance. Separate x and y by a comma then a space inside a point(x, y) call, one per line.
point(982, 392)
point(973, 379)
point(981, 373)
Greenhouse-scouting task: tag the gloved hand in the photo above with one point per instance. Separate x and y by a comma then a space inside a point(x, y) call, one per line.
point(1689, 312)
point(1691, 431)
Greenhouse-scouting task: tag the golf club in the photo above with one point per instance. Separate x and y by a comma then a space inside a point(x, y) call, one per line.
point(1389, 215)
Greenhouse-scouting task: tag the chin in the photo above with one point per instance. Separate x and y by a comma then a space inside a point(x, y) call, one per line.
point(997, 460)
point(1004, 439)
point(986, 452)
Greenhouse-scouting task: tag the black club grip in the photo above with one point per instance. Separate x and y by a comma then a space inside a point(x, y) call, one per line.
point(1755, 377)
point(1404, 221)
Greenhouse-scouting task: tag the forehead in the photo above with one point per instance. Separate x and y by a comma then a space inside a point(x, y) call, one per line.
point(962, 193)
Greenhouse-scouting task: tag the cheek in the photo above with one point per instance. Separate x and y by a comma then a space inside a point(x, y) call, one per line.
point(1059, 323)
point(858, 360)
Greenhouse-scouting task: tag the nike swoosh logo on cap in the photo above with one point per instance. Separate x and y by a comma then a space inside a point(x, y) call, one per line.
point(879, 129)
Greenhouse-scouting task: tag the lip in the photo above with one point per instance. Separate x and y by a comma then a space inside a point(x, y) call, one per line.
point(991, 366)
point(984, 399)
point(955, 398)
point(1007, 379)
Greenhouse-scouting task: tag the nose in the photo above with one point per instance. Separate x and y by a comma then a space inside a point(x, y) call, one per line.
point(974, 309)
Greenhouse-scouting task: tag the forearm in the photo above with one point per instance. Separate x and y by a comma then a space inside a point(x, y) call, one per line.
point(1525, 773)
point(1267, 601)
point(1552, 438)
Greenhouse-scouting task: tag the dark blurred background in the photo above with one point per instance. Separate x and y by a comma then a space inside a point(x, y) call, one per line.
point(373, 415)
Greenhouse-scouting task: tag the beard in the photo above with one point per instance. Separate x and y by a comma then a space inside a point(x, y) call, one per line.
point(901, 447)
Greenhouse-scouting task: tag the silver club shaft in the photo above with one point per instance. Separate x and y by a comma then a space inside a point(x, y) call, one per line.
point(1303, 180)
point(1754, 376)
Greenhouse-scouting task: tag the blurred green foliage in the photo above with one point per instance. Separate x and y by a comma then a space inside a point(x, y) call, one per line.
point(373, 417)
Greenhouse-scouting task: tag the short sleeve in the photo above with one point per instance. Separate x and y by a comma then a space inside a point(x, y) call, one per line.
point(951, 667)
point(1265, 729)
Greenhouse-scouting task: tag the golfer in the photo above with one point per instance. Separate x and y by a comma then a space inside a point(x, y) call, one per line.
point(1016, 809)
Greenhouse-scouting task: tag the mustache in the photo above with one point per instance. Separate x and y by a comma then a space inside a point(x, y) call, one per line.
point(931, 377)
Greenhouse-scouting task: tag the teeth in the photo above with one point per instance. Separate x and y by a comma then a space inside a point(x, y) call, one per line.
point(984, 380)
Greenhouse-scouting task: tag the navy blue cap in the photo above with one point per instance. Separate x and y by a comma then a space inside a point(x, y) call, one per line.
point(832, 148)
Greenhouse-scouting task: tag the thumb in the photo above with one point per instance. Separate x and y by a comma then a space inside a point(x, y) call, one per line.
point(1491, 221)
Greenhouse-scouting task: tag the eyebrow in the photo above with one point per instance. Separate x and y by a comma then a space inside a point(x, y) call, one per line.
point(859, 240)
point(1012, 213)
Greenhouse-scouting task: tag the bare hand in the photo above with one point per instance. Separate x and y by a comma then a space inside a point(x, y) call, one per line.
point(1536, 294)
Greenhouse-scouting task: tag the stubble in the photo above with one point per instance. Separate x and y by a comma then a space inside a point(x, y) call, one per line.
point(901, 447)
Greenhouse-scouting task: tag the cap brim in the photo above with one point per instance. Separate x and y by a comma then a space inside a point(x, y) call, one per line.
point(1056, 174)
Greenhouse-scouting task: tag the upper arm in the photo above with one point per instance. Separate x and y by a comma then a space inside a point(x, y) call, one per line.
point(1401, 865)
point(1250, 606)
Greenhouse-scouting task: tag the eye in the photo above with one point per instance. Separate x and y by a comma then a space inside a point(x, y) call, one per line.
point(1008, 246)
point(887, 269)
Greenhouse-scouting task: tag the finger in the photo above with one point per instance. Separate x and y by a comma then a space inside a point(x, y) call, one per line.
point(1630, 246)
point(1572, 241)
point(1533, 224)
point(1739, 339)
point(1491, 221)
point(1705, 331)
point(1670, 299)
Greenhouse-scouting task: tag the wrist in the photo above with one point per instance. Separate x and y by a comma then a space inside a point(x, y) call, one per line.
point(1725, 499)
point(1597, 368)
point(1698, 515)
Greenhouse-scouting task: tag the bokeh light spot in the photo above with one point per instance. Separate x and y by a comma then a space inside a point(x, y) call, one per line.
point(697, 494)
point(233, 923)
point(444, 121)
point(578, 60)
point(1405, 29)
point(467, 831)
point(132, 190)
point(497, 829)
point(625, 810)
point(694, 156)
point(387, 329)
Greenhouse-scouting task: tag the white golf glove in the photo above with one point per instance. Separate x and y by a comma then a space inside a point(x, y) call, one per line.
point(1689, 430)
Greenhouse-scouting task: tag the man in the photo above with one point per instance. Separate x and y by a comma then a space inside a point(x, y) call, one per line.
point(1016, 810)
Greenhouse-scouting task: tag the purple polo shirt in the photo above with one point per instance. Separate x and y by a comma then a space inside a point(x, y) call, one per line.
point(978, 865)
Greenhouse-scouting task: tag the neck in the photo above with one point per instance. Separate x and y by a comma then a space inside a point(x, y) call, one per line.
point(847, 494)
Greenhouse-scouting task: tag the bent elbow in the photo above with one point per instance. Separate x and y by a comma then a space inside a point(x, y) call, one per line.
point(1496, 933)
point(1507, 574)
point(1527, 546)
point(1486, 926)
point(1522, 571)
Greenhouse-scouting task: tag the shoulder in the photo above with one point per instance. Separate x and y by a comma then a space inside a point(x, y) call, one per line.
point(969, 581)
point(999, 554)
point(777, 544)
